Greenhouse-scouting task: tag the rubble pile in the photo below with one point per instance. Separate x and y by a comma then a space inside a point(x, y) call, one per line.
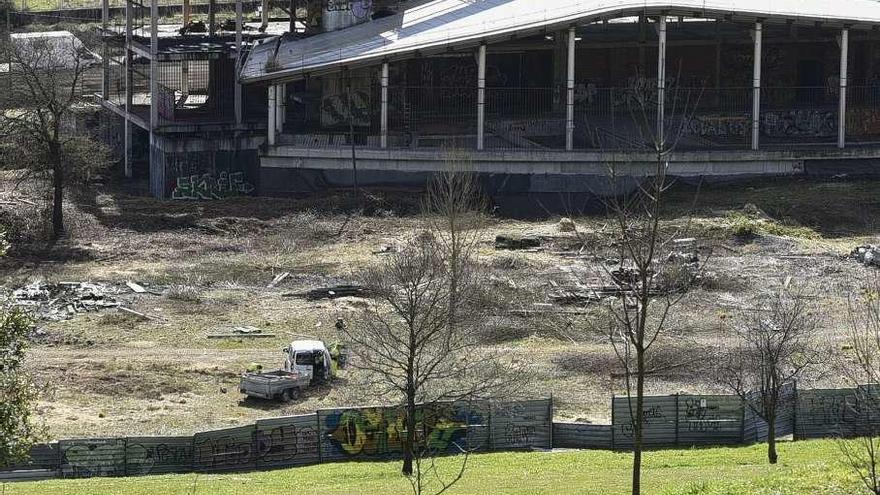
point(63, 300)
point(868, 254)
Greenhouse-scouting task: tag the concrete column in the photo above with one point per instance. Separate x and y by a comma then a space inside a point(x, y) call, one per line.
point(186, 12)
point(157, 164)
point(756, 87)
point(212, 17)
point(569, 114)
point(481, 97)
point(661, 81)
point(238, 57)
point(265, 15)
point(384, 121)
point(128, 87)
point(105, 65)
point(270, 136)
point(280, 97)
point(184, 79)
point(844, 76)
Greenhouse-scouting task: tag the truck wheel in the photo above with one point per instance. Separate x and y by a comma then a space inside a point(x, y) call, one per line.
point(288, 395)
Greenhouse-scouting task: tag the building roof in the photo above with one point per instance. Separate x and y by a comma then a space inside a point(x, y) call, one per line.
point(437, 25)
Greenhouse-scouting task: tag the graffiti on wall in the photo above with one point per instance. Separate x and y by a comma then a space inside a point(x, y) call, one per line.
point(286, 443)
point(210, 186)
point(701, 415)
point(381, 431)
point(799, 123)
point(144, 458)
point(335, 108)
point(93, 458)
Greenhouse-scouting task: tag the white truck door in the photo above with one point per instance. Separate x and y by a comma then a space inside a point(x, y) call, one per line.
point(304, 363)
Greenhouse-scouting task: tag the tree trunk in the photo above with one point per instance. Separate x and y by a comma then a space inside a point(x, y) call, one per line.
point(638, 423)
point(57, 201)
point(771, 439)
point(409, 438)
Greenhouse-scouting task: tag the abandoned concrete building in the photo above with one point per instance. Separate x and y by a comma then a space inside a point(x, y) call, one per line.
point(543, 94)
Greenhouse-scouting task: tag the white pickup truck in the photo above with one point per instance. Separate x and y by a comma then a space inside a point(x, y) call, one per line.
point(307, 362)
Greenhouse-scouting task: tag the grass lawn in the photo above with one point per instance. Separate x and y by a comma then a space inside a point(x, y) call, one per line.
point(812, 467)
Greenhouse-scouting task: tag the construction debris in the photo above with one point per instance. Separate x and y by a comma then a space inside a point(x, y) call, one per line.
point(135, 287)
point(242, 332)
point(332, 292)
point(517, 243)
point(868, 254)
point(63, 300)
point(132, 312)
point(567, 225)
point(277, 280)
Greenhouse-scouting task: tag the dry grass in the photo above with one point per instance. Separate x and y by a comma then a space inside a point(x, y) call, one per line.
point(113, 374)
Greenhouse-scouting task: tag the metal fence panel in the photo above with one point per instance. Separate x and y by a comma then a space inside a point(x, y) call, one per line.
point(158, 455)
point(224, 450)
point(290, 441)
point(582, 436)
point(709, 420)
point(659, 422)
point(520, 425)
point(92, 457)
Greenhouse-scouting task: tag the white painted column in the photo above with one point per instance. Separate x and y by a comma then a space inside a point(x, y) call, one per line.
point(661, 81)
point(279, 108)
point(569, 114)
point(756, 86)
point(270, 135)
point(128, 88)
point(481, 97)
point(384, 118)
point(154, 66)
point(844, 71)
point(238, 56)
point(105, 59)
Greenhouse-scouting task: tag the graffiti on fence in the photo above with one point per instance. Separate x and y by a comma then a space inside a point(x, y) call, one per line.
point(286, 443)
point(144, 457)
point(700, 415)
point(380, 431)
point(335, 108)
point(516, 435)
point(863, 122)
point(93, 458)
point(800, 123)
point(832, 409)
point(708, 126)
point(209, 186)
point(222, 452)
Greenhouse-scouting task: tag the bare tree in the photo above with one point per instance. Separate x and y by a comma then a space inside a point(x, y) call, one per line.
point(862, 367)
point(39, 126)
point(775, 345)
point(418, 343)
point(653, 273)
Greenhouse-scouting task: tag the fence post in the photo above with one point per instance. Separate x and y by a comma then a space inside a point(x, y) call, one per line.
point(320, 438)
point(742, 421)
point(794, 409)
point(550, 419)
point(59, 459)
point(676, 419)
point(491, 438)
point(612, 422)
point(125, 456)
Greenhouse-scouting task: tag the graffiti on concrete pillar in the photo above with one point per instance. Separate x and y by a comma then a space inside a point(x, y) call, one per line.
point(211, 186)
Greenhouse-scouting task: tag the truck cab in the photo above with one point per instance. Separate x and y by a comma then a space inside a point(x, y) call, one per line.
point(308, 358)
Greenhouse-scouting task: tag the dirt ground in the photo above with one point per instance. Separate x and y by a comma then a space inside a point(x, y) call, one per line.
point(106, 373)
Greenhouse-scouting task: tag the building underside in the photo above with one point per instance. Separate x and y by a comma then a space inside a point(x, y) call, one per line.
point(553, 104)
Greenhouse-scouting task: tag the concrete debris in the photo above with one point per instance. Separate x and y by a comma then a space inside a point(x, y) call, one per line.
point(517, 243)
point(242, 332)
point(277, 280)
point(332, 292)
point(868, 254)
point(63, 300)
point(132, 312)
point(135, 287)
point(567, 225)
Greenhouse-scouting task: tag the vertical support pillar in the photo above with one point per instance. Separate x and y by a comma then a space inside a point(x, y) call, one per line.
point(280, 96)
point(384, 121)
point(661, 81)
point(184, 80)
point(238, 59)
point(569, 114)
point(105, 59)
point(756, 87)
point(270, 136)
point(157, 163)
point(481, 97)
point(264, 15)
point(186, 12)
point(128, 88)
point(844, 76)
point(212, 17)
